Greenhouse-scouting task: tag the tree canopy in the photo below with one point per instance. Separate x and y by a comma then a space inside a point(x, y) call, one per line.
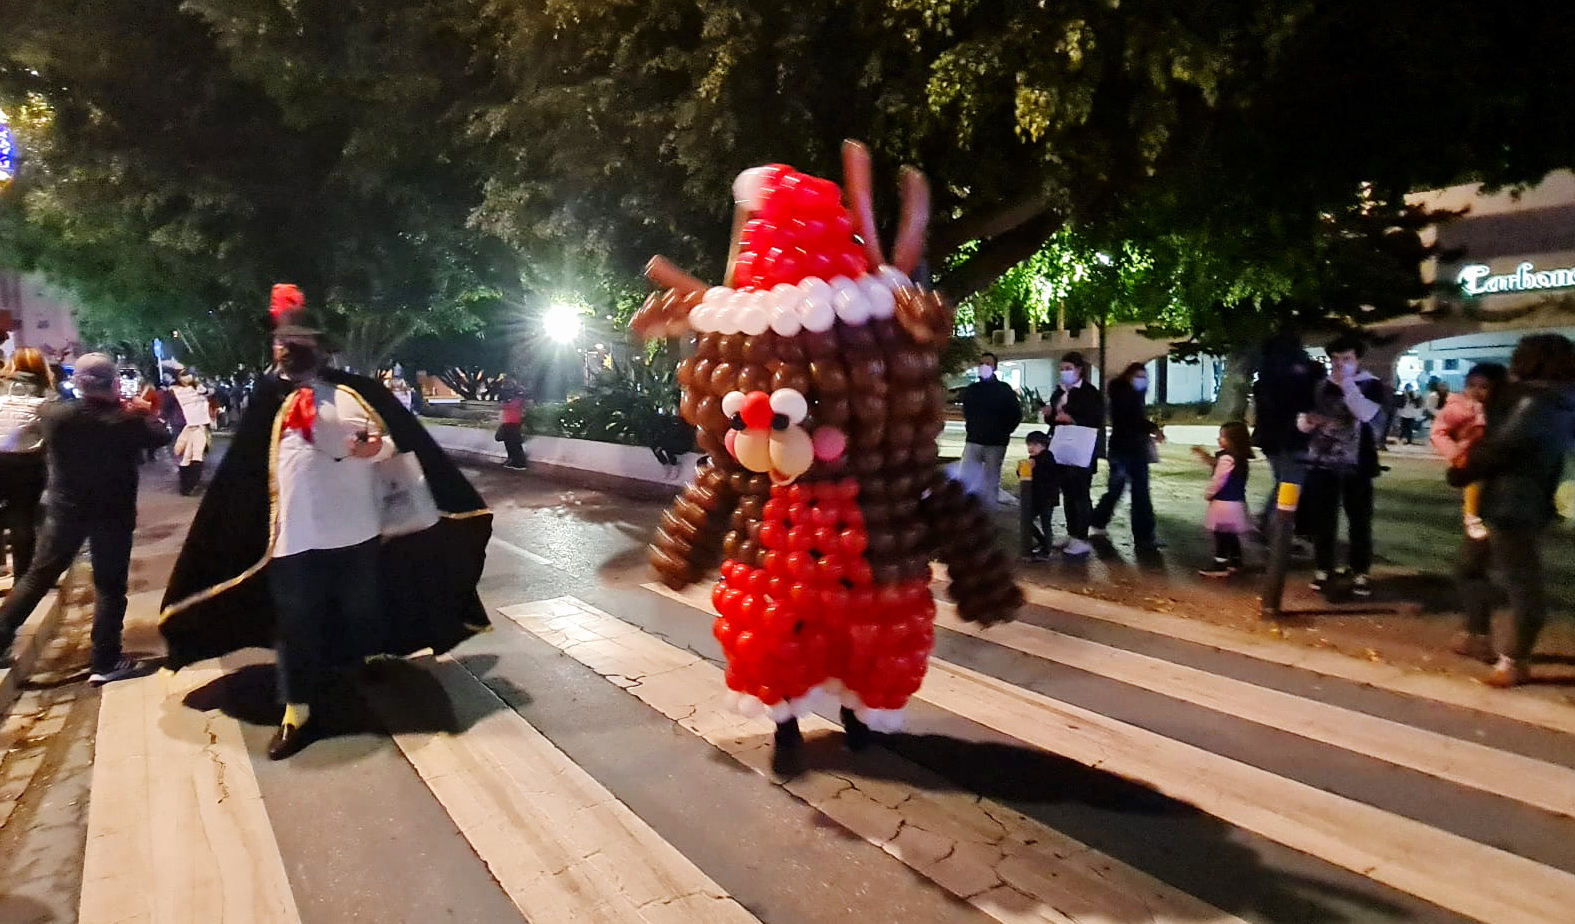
point(409, 160)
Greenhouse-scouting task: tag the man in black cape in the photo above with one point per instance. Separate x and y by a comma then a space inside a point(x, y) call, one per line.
point(220, 597)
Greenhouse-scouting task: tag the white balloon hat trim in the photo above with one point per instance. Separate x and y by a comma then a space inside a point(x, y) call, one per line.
point(813, 305)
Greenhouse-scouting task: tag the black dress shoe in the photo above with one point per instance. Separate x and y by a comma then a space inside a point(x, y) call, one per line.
point(857, 733)
point(288, 740)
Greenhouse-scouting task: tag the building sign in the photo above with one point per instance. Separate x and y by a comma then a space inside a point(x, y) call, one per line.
point(1477, 279)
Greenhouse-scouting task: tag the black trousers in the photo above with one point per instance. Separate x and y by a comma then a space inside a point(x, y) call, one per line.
point(1076, 488)
point(1227, 548)
point(1326, 491)
point(1516, 553)
point(329, 610)
point(513, 443)
point(109, 541)
point(21, 490)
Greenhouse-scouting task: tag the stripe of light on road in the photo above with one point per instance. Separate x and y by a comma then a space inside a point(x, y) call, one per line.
point(1501, 773)
point(562, 847)
point(1007, 865)
point(524, 553)
point(1519, 706)
point(1440, 867)
point(177, 830)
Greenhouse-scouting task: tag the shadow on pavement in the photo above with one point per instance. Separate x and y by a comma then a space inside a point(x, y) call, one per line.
point(1175, 842)
point(249, 695)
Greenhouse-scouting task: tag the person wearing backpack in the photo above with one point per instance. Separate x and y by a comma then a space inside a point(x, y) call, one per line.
point(26, 387)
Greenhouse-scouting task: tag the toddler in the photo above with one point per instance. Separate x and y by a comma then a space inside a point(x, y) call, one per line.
point(1227, 496)
point(1460, 423)
point(1041, 498)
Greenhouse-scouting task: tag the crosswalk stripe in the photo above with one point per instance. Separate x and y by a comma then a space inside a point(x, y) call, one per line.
point(1437, 866)
point(1524, 779)
point(177, 830)
point(1002, 862)
point(561, 846)
point(1520, 706)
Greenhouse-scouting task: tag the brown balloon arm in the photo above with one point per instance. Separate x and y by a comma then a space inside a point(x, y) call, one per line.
point(908, 249)
point(706, 548)
point(961, 552)
point(857, 175)
point(666, 274)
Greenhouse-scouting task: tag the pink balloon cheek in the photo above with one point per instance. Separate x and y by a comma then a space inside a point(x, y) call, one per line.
point(830, 444)
point(729, 440)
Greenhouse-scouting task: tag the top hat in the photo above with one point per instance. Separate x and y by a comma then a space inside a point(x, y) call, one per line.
point(287, 307)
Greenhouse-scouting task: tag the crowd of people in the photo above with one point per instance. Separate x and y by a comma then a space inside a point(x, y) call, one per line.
point(1321, 427)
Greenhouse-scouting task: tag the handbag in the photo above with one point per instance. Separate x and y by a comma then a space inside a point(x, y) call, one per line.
point(497, 435)
point(407, 505)
point(1074, 445)
point(1153, 451)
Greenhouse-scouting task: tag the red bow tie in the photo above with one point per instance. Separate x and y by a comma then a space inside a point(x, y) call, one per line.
point(302, 414)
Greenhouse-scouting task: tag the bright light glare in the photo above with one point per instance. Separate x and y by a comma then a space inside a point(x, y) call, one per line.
point(561, 323)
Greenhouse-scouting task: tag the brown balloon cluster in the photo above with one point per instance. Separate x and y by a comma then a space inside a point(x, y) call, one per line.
point(881, 386)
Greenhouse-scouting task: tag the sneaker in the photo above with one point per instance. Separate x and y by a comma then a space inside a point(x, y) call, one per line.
point(120, 671)
point(1076, 548)
point(1507, 673)
point(1320, 581)
point(1096, 531)
point(1219, 569)
point(1361, 587)
point(1474, 646)
point(1476, 529)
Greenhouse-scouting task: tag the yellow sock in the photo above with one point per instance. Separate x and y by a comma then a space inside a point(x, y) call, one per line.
point(1473, 498)
point(296, 714)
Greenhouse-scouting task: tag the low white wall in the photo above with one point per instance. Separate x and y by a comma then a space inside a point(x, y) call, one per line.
point(632, 462)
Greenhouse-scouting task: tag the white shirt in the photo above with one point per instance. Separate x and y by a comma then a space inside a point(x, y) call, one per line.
point(328, 499)
point(193, 405)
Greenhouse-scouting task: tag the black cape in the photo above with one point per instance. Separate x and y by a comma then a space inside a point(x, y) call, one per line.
point(218, 599)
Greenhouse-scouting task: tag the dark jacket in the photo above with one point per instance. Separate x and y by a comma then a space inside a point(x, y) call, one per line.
point(1087, 408)
point(1130, 428)
point(1046, 485)
point(94, 449)
point(990, 412)
point(1520, 459)
point(1283, 391)
point(1342, 442)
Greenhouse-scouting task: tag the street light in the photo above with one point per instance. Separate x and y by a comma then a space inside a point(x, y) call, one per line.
point(561, 323)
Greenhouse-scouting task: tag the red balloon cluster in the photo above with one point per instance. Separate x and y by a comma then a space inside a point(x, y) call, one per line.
point(801, 229)
point(813, 612)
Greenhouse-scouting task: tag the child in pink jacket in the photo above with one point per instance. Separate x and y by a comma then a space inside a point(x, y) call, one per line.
point(1460, 423)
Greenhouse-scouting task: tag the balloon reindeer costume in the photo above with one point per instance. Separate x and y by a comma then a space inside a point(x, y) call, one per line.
point(815, 389)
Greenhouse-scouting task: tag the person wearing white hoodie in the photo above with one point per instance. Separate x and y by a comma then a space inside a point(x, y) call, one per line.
point(1344, 430)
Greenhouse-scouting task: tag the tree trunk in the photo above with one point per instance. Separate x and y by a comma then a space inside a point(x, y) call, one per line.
point(997, 255)
point(1235, 385)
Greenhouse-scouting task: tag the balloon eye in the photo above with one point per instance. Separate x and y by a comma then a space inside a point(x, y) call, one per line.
point(733, 403)
point(737, 423)
point(786, 402)
point(780, 422)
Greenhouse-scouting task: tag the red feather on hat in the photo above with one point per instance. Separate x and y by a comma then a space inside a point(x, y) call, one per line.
point(285, 301)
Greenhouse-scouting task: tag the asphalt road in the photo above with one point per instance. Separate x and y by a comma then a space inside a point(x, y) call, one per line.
point(576, 764)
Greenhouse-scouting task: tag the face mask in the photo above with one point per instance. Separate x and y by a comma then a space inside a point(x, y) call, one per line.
point(1069, 377)
point(1140, 384)
point(1350, 369)
point(986, 372)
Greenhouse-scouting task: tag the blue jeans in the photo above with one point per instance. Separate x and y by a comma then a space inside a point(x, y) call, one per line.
point(329, 609)
point(1287, 469)
point(109, 542)
point(1125, 471)
point(980, 472)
